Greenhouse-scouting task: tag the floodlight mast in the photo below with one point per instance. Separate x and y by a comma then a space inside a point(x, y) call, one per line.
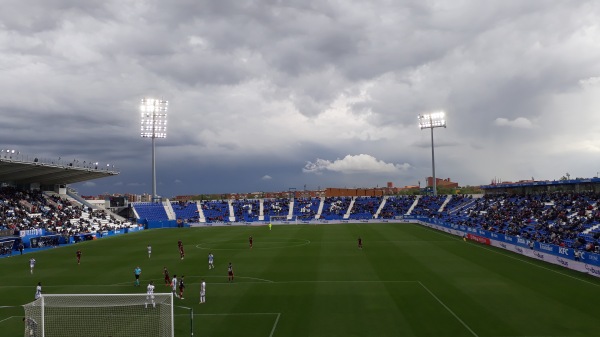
point(430, 121)
point(154, 125)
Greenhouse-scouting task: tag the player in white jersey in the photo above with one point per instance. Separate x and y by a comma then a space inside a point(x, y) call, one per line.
point(150, 294)
point(38, 290)
point(149, 251)
point(202, 291)
point(174, 285)
point(31, 265)
point(211, 261)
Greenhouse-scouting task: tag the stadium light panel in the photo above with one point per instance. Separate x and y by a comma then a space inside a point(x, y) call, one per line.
point(432, 120)
point(153, 118)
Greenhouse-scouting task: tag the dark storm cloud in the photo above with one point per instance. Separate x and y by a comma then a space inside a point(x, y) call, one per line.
point(261, 88)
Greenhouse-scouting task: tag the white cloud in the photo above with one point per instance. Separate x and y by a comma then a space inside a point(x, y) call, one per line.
point(177, 181)
point(362, 163)
point(89, 184)
point(590, 82)
point(266, 177)
point(520, 122)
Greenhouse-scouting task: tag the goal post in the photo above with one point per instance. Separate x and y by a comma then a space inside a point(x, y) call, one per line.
point(286, 219)
point(115, 315)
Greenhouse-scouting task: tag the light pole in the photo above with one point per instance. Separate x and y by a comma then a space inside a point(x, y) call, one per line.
point(154, 125)
point(430, 121)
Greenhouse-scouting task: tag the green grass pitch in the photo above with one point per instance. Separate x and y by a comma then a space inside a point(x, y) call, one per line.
point(312, 280)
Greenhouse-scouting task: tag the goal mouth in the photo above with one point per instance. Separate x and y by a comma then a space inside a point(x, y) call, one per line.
point(283, 219)
point(117, 315)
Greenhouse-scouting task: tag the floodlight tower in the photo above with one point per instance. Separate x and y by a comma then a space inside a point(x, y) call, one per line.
point(154, 125)
point(430, 121)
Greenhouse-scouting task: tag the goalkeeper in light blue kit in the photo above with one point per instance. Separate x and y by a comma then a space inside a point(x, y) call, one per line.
point(137, 271)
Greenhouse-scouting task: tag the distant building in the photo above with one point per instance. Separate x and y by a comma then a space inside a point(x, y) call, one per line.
point(445, 183)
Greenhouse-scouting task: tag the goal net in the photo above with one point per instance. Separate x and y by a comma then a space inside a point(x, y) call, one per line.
point(100, 315)
point(283, 219)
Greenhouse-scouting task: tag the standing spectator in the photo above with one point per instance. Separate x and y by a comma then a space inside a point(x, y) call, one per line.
point(21, 247)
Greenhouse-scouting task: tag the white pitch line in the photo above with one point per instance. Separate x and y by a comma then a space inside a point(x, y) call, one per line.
point(275, 325)
point(345, 281)
point(6, 319)
point(244, 314)
point(260, 281)
point(235, 314)
point(525, 260)
point(449, 310)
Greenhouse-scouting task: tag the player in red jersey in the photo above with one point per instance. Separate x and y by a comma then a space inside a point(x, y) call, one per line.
point(230, 272)
point(78, 256)
point(181, 252)
point(167, 278)
point(359, 243)
point(250, 241)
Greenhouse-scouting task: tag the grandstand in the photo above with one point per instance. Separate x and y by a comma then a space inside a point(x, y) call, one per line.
point(560, 218)
point(560, 213)
point(550, 215)
point(42, 212)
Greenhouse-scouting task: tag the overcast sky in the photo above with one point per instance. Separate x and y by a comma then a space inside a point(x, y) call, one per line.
point(272, 95)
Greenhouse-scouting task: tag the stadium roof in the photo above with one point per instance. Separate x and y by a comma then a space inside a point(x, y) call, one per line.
point(28, 172)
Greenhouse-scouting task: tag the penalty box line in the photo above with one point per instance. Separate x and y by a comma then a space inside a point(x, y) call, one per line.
point(6, 319)
point(448, 309)
point(246, 314)
point(403, 281)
